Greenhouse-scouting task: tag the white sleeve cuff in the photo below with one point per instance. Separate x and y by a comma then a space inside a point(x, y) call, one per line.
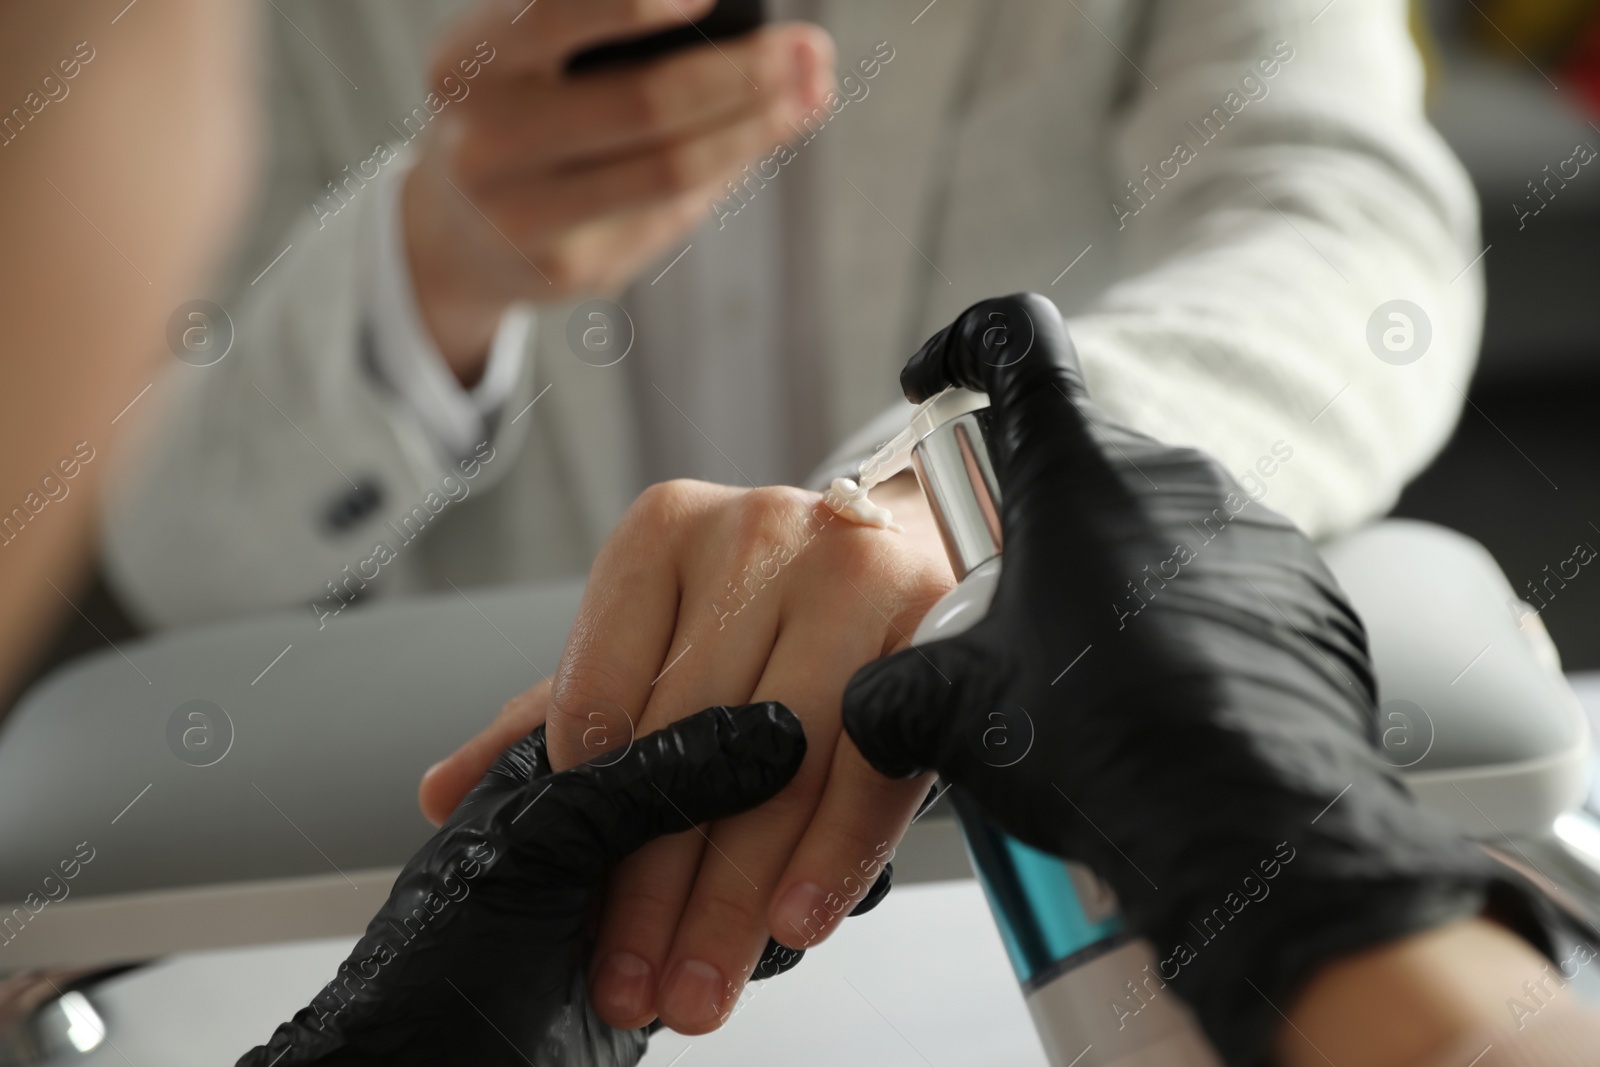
point(405, 356)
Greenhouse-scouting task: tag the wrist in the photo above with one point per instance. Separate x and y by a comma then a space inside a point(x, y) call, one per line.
point(460, 316)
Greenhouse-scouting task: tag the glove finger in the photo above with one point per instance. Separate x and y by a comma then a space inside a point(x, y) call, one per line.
point(935, 791)
point(875, 895)
point(779, 959)
point(776, 959)
point(525, 762)
point(1045, 437)
point(709, 766)
point(901, 710)
point(995, 341)
point(521, 765)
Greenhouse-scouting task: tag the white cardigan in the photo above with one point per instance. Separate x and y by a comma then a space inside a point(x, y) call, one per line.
point(1236, 187)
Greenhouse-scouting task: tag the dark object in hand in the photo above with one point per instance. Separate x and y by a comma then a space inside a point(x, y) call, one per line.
point(730, 18)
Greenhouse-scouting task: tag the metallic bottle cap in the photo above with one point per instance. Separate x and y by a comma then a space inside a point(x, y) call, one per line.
point(951, 458)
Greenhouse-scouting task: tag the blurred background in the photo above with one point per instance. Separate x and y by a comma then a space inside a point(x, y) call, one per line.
point(1516, 88)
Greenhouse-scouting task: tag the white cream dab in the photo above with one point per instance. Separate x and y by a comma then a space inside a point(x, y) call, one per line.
point(849, 501)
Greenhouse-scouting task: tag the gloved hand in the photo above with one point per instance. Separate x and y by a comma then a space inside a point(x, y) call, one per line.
point(479, 956)
point(1211, 755)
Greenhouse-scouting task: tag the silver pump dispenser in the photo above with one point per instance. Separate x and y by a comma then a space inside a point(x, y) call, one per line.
point(955, 472)
point(1073, 955)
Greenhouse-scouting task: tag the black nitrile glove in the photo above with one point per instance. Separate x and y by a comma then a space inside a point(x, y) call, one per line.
point(480, 955)
point(1211, 755)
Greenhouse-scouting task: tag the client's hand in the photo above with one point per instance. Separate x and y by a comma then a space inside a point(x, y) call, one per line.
point(480, 954)
point(538, 184)
point(707, 594)
point(712, 595)
point(1195, 688)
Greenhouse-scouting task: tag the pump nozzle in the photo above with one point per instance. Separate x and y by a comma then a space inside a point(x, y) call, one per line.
point(895, 456)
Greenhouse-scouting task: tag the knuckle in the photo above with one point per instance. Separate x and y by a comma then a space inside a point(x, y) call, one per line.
point(636, 911)
point(663, 502)
point(662, 495)
point(581, 688)
point(563, 733)
point(778, 503)
point(653, 530)
point(649, 100)
point(564, 718)
point(562, 265)
point(675, 170)
point(728, 907)
point(767, 516)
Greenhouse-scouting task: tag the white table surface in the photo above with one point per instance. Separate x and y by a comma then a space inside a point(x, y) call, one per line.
point(921, 982)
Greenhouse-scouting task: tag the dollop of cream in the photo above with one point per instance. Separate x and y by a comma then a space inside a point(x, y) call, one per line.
point(849, 501)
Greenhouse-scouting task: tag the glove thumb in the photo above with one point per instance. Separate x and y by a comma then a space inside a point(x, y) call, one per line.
point(902, 711)
point(1015, 344)
point(1045, 436)
point(712, 765)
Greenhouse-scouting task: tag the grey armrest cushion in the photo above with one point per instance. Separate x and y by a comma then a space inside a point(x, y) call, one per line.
point(1473, 705)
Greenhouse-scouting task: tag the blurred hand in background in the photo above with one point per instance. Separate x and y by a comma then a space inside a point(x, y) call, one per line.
point(542, 184)
point(125, 146)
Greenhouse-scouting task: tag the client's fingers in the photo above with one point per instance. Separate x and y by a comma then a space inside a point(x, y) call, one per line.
point(446, 782)
point(845, 848)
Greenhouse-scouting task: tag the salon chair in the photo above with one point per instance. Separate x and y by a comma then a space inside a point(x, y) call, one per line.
point(255, 781)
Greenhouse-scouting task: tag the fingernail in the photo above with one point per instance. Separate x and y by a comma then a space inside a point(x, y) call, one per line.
point(622, 986)
point(429, 772)
point(802, 914)
point(693, 994)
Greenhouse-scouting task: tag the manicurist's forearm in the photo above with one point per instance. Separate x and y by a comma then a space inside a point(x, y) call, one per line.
point(1404, 1002)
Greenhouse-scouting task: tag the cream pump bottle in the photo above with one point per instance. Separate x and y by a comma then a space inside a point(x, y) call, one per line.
point(1092, 988)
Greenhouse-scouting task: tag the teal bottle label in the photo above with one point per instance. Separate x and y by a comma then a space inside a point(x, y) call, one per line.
point(1053, 916)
